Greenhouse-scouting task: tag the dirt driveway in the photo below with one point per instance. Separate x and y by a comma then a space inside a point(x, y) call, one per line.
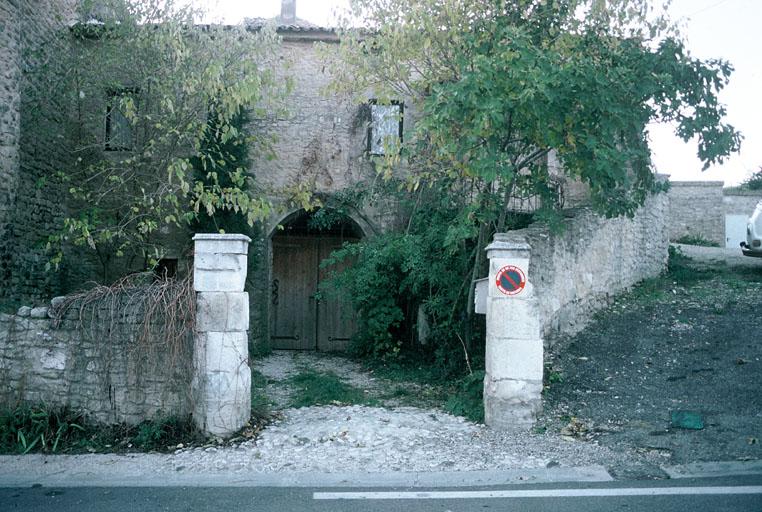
point(674, 353)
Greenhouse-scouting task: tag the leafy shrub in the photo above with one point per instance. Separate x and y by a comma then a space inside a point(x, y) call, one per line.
point(38, 428)
point(165, 432)
point(468, 399)
point(754, 182)
point(681, 271)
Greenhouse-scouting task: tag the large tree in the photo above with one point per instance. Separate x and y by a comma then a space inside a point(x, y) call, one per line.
point(171, 95)
point(495, 86)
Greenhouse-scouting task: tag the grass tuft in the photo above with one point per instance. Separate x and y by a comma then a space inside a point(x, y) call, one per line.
point(325, 388)
point(696, 240)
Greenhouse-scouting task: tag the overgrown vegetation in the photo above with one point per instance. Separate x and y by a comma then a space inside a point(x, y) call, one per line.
point(501, 88)
point(467, 399)
point(696, 240)
point(754, 181)
point(261, 411)
point(325, 388)
point(41, 429)
point(171, 95)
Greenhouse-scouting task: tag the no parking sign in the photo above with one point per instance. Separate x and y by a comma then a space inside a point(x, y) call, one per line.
point(510, 280)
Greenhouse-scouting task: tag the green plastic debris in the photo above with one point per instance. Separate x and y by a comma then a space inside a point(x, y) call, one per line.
point(690, 420)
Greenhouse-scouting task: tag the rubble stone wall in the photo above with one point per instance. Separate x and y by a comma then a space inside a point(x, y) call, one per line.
point(100, 368)
point(695, 209)
point(30, 147)
point(577, 271)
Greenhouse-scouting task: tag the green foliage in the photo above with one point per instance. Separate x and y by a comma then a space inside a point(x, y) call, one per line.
point(696, 240)
point(497, 85)
point(260, 403)
point(25, 429)
point(682, 271)
point(178, 94)
point(324, 388)
point(29, 429)
point(468, 399)
point(219, 168)
point(754, 182)
point(164, 433)
point(501, 83)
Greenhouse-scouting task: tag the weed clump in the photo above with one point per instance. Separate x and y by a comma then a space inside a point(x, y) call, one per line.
point(42, 429)
point(318, 388)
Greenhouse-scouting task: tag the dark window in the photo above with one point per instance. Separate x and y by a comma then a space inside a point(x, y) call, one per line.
point(166, 268)
point(118, 125)
point(385, 127)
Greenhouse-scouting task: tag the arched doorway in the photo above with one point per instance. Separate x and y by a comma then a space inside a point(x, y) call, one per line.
point(298, 320)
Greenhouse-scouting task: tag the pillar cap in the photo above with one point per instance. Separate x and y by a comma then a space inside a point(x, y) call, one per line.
point(509, 241)
point(221, 236)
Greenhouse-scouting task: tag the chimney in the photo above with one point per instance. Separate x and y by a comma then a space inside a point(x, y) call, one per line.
point(288, 12)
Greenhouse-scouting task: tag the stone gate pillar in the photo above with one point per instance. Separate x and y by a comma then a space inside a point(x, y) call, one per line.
point(514, 351)
point(221, 382)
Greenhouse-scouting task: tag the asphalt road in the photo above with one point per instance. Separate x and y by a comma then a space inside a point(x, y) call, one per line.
point(737, 493)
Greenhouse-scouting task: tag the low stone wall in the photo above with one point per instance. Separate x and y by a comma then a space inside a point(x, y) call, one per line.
point(696, 209)
point(101, 368)
point(576, 272)
point(740, 202)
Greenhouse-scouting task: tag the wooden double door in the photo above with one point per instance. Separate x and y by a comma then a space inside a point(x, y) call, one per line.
point(299, 321)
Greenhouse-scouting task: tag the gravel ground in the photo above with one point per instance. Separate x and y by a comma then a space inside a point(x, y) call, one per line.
point(344, 440)
point(371, 439)
point(281, 365)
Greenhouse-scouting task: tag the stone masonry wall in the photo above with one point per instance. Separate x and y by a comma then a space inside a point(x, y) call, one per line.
point(10, 100)
point(740, 202)
point(320, 145)
point(695, 208)
point(30, 205)
point(576, 271)
point(110, 376)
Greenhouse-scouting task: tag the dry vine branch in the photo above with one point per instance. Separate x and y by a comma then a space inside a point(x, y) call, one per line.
point(155, 316)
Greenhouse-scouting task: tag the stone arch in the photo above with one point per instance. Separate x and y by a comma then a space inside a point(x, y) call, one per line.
point(361, 225)
point(299, 318)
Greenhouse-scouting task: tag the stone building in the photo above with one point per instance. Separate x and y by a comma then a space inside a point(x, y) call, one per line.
point(324, 144)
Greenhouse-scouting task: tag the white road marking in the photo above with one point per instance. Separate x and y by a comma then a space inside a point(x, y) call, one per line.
point(538, 493)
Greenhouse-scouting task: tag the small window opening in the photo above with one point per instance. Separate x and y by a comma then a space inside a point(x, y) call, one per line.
point(385, 127)
point(166, 269)
point(121, 103)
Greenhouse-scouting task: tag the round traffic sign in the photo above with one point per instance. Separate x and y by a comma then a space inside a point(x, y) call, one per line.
point(511, 280)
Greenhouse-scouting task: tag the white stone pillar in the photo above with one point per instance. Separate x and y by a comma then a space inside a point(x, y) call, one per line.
point(514, 351)
point(221, 380)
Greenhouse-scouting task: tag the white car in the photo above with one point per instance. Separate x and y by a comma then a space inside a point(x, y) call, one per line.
point(753, 244)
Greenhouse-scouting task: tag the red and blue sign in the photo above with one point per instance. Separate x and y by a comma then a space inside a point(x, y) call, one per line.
point(511, 280)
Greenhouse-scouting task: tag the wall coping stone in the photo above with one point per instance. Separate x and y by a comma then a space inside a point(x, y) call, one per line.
point(217, 243)
point(221, 236)
point(697, 183)
point(508, 241)
point(742, 192)
point(24, 311)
